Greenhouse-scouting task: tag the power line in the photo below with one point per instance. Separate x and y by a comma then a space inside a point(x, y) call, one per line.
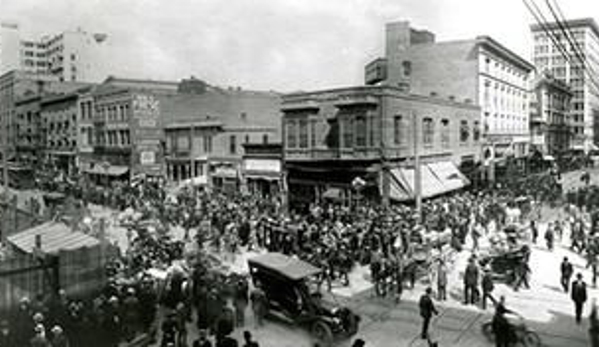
point(563, 25)
point(542, 22)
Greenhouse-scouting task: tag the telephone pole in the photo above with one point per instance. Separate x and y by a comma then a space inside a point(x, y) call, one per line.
point(5, 213)
point(417, 168)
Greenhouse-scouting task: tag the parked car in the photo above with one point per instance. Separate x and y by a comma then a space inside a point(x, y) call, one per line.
point(291, 291)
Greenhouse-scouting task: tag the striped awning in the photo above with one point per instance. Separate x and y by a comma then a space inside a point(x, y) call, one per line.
point(54, 236)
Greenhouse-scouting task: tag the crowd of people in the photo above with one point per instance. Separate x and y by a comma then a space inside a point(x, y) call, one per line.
point(396, 243)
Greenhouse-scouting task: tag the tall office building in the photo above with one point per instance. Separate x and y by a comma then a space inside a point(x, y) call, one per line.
point(69, 56)
point(548, 57)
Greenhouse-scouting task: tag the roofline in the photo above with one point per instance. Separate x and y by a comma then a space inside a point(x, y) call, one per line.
point(579, 22)
point(140, 81)
point(381, 89)
point(493, 44)
point(59, 97)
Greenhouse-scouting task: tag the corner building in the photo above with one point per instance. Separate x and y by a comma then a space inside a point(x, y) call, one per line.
point(334, 136)
point(479, 70)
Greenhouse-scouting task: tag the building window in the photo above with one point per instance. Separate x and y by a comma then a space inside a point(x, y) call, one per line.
point(265, 139)
point(398, 133)
point(476, 131)
point(361, 131)
point(303, 133)
point(445, 132)
point(464, 131)
point(407, 68)
point(291, 134)
point(247, 138)
point(428, 131)
point(232, 144)
point(348, 133)
point(208, 144)
point(313, 134)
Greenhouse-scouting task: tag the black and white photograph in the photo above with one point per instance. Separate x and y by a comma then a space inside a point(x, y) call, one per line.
point(299, 173)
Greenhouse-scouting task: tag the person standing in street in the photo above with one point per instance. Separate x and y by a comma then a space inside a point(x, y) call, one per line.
point(259, 304)
point(579, 296)
point(549, 236)
point(470, 281)
point(442, 281)
point(427, 310)
point(566, 273)
point(487, 287)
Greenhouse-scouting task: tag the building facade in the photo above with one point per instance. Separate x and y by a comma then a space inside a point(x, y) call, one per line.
point(374, 133)
point(206, 131)
point(547, 56)
point(549, 126)
point(59, 130)
point(479, 70)
point(73, 55)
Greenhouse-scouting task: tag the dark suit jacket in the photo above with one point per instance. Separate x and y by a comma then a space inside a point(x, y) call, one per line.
point(579, 291)
point(427, 307)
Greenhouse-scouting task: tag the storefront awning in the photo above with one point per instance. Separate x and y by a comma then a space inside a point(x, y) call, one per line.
point(262, 176)
point(333, 194)
point(436, 179)
point(225, 172)
point(113, 170)
point(451, 178)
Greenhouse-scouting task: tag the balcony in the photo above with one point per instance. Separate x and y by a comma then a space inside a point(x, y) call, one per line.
point(298, 104)
point(332, 153)
point(375, 71)
point(356, 99)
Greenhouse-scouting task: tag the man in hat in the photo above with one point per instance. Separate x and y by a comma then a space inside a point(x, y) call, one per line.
point(566, 270)
point(40, 339)
point(202, 340)
point(579, 296)
point(59, 339)
point(427, 310)
point(7, 338)
point(470, 281)
point(487, 286)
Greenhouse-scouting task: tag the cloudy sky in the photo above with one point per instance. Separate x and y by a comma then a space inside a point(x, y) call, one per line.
point(284, 45)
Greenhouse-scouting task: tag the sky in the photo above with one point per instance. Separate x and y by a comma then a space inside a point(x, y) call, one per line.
point(282, 45)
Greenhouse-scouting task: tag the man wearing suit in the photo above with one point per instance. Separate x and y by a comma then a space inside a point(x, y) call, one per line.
point(579, 296)
point(427, 310)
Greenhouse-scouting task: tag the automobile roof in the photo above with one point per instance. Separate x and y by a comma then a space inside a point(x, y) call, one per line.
point(292, 268)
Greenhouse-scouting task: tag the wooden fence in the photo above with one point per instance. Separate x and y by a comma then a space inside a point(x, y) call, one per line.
point(81, 274)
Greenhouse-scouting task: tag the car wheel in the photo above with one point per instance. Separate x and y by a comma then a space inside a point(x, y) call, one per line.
point(322, 332)
point(487, 329)
point(532, 339)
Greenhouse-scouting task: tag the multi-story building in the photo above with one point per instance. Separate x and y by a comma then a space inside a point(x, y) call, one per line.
point(10, 47)
point(59, 126)
point(550, 103)
point(206, 132)
point(375, 133)
point(581, 74)
point(74, 55)
point(479, 70)
point(127, 130)
point(28, 140)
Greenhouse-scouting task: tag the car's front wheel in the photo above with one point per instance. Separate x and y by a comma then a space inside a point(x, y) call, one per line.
point(322, 332)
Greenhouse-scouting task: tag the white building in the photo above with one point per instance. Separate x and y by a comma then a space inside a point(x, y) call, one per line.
point(70, 56)
point(584, 110)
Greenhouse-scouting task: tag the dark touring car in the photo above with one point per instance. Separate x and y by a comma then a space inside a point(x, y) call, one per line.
point(288, 284)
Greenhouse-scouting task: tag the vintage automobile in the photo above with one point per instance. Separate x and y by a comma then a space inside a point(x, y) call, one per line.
point(291, 291)
point(503, 264)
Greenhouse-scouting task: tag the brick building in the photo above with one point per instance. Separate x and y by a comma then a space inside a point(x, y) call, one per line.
point(333, 137)
point(479, 70)
point(206, 130)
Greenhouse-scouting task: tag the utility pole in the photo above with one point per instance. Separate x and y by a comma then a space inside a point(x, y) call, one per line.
point(417, 168)
point(5, 214)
